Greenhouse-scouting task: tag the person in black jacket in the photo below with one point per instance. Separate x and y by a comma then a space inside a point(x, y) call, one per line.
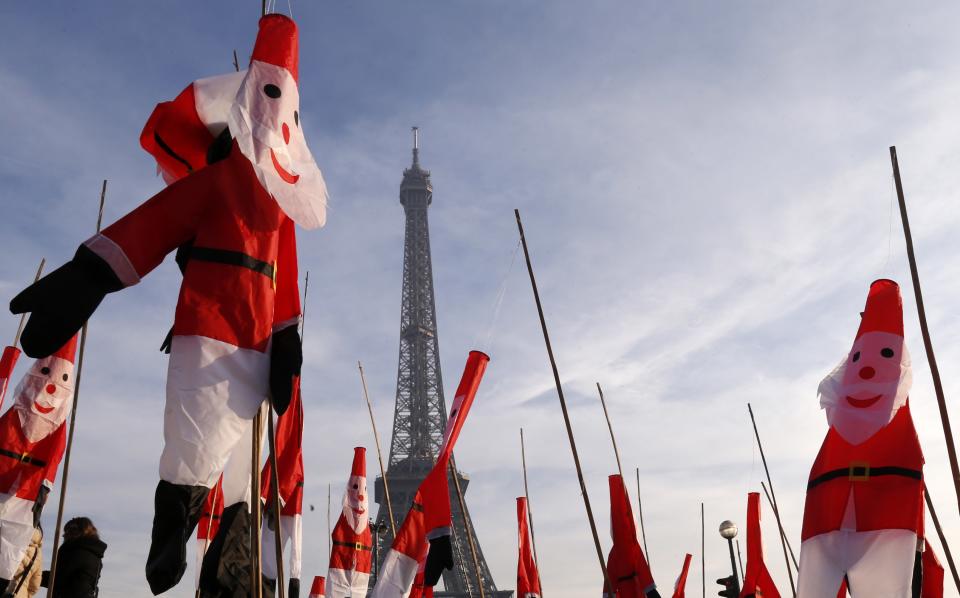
point(79, 561)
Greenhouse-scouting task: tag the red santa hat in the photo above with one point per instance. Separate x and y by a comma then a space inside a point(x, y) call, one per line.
point(277, 43)
point(884, 309)
point(359, 468)
point(68, 351)
point(317, 589)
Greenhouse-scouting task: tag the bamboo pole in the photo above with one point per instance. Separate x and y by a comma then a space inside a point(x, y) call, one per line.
point(73, 422)
point(206, 540)
point(703, 552)
point(23, 316)
point(773, 496)
point(613, 438)
point(256, 578)
point(643, 531)
point(943, 538)
point(526, 494)
point(376, 438)
point(563, 405)
point(924, 329)
point(782, 534)
point(466, 524)
point(329, 531)
point(278, 541)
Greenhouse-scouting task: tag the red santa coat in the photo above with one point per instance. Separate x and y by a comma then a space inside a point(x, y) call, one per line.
point(241, 282)
point(883, 471)
point(25, 465)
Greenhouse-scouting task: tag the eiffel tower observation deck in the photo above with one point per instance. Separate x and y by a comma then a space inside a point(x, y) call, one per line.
point(420, 414)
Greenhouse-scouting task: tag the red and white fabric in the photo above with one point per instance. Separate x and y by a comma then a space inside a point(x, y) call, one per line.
point(318, 587)
point(289, 439)
point(430, 515)
point(864, 508)
point(7, 362)
point(757, 581)
point(627, 567)
point(33, 436)
point(209, 523)
point(528, 577)
point(351, 556)
point(679, 588)
point(932, 585)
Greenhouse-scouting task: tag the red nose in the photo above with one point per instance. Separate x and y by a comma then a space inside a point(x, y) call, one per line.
point(286, 133)
point(867, 373)
point(360, 497)
point(51, 389)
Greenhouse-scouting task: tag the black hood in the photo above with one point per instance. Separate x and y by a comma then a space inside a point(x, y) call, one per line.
point(90, 544)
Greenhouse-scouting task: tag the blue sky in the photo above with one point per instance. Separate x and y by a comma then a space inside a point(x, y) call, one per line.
point(705, 188)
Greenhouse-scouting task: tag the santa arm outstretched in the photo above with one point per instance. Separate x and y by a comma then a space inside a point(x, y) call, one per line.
point(286, 353)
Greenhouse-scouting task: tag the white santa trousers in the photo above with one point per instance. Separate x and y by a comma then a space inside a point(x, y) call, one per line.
point(347, 584)
point(291, 528)
point(879, 564)
point(16, 530)
point(213, 391)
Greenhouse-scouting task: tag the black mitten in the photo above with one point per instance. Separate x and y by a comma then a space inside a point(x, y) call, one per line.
point(439, 558)
point(653, 593)
point(39, 504)
point(60, 302)
point(286, 357)
point(293, 590)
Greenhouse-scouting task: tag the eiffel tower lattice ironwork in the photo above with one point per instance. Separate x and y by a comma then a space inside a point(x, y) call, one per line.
point(421, 413)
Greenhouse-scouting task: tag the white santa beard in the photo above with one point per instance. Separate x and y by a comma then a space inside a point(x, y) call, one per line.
point(37, 426)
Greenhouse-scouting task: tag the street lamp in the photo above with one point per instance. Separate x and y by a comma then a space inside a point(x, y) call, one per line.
point(728, 531)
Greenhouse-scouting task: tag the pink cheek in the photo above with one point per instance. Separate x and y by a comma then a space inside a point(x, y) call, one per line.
point(51, 389)
point(286, 133)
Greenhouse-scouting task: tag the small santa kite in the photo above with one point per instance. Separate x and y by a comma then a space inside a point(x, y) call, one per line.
point(528, 577)
point(757, 582)
point(864, 510)
point(234, 338)
point(627, 568)
point(351, 556)
point(33, 435)
point(680, 587)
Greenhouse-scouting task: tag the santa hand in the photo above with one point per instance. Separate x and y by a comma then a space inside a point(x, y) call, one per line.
point(60, 302)
point(439, 557)
point(39, 503)
point(286, 357)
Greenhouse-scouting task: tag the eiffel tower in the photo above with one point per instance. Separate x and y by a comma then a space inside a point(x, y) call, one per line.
point(420, 414)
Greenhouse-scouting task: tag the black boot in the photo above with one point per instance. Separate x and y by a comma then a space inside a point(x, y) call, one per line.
point(176, 513)
point(294, 588)
point(226, 565)
point(269, 587)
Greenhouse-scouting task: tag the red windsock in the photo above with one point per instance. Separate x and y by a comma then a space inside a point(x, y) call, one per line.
point(351, 557)
point(932, 586)
point(7, 363)
point(528, 577)
point(316, 590)
point(680, 587)
point(626, 565)
point(425, 533)
point(757, 581)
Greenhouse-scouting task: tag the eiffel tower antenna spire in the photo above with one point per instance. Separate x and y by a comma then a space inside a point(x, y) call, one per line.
point(416, 146)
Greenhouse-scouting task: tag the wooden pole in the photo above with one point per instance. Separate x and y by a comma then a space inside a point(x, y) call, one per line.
point(23, 317)
point(613, 439)
point(329, 531)
point(563, 405)
point(776, 511)
point(256, 578)
point(206, 540)
point(703, 552)
point(466, 524)
point(943, 538)
point(643, 531)
point(275, 489)
point(740, 562)
point(376, 439)
point(73, 422)
point(783, 536)
point(526, 494)
point(924, 329)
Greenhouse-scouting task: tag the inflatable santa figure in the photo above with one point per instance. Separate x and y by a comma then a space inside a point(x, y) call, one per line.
point(235, 338)
point(33, 436)
point(864, 509)
point(350, 559)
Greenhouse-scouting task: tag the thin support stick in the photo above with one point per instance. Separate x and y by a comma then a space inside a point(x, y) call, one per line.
point(643, 532)
point(526, 494)
point(943, 539)
point(303, 309)
point(563, 405)
point(925, 331)
point(740, 561)
point(236, 63)
point(613, 439)
point(275, 490)
point(329, 531)
point(376, 439)
point(206, 540)
point(73, 422)
point(23, 317)
point(773, 497)
point(783, 536)
point(703, 552)
point(256, 579)
point(467, 525)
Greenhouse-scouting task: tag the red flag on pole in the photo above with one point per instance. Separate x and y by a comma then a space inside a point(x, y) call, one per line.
point(757, 581)
point(528, 577)
point(680, 586)
point(626, 564)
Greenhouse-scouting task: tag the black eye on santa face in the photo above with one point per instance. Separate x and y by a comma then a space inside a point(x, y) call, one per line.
point(856, 357)
point(65, 377)
point(296, 117)
point(886, 352)
point(271, 90)
point(355, 486)
point(45, 370)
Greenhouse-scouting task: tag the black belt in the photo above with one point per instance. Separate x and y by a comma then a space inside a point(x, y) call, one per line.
point(234, 258)
point(22, 457)
point(862, 472)
point(354, 545)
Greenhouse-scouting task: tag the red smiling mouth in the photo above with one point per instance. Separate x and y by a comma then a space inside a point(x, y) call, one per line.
point(41, 408)
point(863, 403)
point(286, 176)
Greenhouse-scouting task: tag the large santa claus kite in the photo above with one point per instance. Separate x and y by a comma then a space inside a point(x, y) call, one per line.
point(235, 337)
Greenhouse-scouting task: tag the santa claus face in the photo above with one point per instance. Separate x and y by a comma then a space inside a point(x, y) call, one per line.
point(265, 120)
point(355, 503)
point(44, 397)
point(864, 393)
